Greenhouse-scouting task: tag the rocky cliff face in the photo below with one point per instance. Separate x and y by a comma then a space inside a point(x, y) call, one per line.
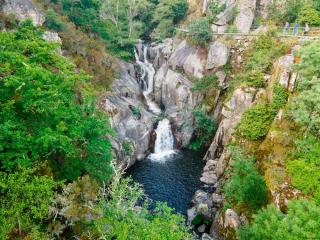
point(22, 10)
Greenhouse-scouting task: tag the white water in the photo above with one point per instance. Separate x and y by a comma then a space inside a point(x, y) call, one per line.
point(164, 144)
point(147, 76)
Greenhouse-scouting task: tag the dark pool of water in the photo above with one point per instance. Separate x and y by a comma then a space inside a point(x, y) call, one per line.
point(173, 181)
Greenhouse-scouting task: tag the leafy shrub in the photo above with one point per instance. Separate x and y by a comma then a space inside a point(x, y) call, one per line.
point(128, 148)
point(205, 129)
point(52, 21)
point(256, 121)
point(200, 31)
point(246, 187)
point(205, 83)
point(260, 56)
point(279, 97)
point(166, 14)
point(47, 112)
point(308, 14)
point(215, 9)
point(125, 221)
point(24, 202)
point(136, 111)
point(304, 108)
point(300, 222)
point(304, 167)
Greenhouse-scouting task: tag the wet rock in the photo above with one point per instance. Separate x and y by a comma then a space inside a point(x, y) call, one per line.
point(246, 10)
point(191, 214)
point(23, 10)
point(218, 55)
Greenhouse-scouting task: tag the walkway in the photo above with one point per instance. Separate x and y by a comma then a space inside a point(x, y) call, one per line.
point(254, 31)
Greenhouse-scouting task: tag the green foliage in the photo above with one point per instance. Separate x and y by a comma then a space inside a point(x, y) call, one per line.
point(256, 121)
point(305, 108)
point(200, 31)
point(128, 148)
point(124, 220)
point(246, 187)
point(304, 167)
point(24, 203)
point(52, 21)
point(45, 113)
point(264, 50)
point(308, 14)
point(279, 97)
point(205, 129)
point(166, 14)
point(300, 222)
point(215, 9)
point(205, 83)
point(136, 111)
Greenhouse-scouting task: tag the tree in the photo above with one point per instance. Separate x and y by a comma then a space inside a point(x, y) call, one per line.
point(123, 219)
point(166, 14)
point(47, 112)
point(300, 222)
point(24, 203)
point(246, 187)
point(308, 14)
point(200, 31)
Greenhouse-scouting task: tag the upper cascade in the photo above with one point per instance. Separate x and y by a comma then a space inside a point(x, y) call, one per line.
point(147, 78)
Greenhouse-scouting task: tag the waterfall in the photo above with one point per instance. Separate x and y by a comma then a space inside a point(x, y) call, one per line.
point(147, 78)
point(164, 145)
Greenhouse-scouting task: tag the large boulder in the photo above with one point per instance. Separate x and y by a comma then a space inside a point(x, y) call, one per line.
point(22, 10)
point(218, 55)
point(192, 60)
point(130, 126)
point(178, 101)
point(246, 10)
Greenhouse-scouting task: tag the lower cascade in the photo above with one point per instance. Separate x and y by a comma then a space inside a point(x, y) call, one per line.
point(164, 144)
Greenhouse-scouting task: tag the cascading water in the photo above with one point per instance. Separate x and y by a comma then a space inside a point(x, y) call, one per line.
point(164, 144)
point(147, 78)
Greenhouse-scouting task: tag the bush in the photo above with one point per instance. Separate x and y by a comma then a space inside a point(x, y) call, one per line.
point(246, 187)
point(122, 219)
point(47, 110)
point(279, 97)
point(205, 83)
point(308, 14)
point(205, 129)
point(300, 222)
point(304, 167)
point(200, 31)
point(52, 22)
point(256, 121)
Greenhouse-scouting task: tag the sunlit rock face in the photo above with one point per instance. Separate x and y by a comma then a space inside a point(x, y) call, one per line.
point(22, 10)
point(245, 16)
